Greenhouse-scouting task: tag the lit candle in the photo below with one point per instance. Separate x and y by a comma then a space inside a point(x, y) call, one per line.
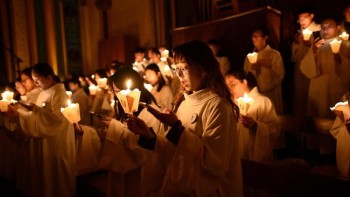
point(69, 94)
point(244, 103)
point(165, 53)
point(71, 112)
point(148, 86)
point(252, 57)
point(7, 98)
point(344, 36)
point(342, 110)
point(92, 76)
point(129, 99)
point(306, 34)
point(102, 83)
point(335, 45)
point(92, 89)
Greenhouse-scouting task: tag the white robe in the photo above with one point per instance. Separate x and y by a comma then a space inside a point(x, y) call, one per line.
point(258, 145)
point(52, 164)
point(270, 79)
point(331, 81)
point(206, 160)
point(342, 136)
point(132, 170)
point(164, 97)
point(301, 82)
point(83, 99)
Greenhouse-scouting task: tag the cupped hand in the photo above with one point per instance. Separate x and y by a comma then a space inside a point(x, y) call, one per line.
point(167, 117)
point(139, 127)
point(248, 122)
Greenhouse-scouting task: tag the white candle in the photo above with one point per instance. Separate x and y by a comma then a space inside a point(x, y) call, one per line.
point(165, 53)
point(342, 110)
point(129, 99)
point(102, 83)
point(92, 76)
point(92, 89)
point(7, 98)
point(244, 103)
point(69, 94)
point(344, 36)
point(148, 86)
point(306, 34)
point(335, 45)
point(252, 57)
point(71, 112)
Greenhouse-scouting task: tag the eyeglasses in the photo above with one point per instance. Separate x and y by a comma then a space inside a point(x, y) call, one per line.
point(180, 70)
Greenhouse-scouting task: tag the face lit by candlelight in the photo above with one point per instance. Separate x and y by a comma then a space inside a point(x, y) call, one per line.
point(27, 82)
point(305, 19)
point(152, 77)
point(190, 76)
point(329, 29)
point(139, 56)
point(346, 14)
point(259, 40)
point(43, 82)
point(237, 87)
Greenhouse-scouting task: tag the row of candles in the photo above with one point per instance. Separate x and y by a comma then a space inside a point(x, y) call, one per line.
point(334, 44)
point(129, 100)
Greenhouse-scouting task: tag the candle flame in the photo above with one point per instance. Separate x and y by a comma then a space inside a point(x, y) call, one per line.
point(92, 76)
point(128, 84)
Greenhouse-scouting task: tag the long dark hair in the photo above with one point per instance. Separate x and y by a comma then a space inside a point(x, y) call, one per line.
point(198, 54)
point(45, 70)
point(156, 69)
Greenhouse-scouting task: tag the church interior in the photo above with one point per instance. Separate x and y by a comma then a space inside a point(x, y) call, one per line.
point(80, 39)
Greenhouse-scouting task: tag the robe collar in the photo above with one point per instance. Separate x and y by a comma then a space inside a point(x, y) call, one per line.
point(314, 26)
point(199, 97)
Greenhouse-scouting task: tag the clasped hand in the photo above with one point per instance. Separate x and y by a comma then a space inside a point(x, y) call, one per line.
point(138, 126)
point(248, 122)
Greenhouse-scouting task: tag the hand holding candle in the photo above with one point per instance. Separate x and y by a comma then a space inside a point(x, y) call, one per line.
point(252, 57)
point(129, 99)
point(306, 34)
point(335, 45)
point(344, 36)
point(92, 89)
point(244, 103)
point(69, 94)
point(71, 112)
point(342, 110)
point(102, 83)
point(7, 98)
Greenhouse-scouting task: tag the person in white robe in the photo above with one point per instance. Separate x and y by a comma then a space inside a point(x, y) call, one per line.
point(331, 71)
point(140, 61)
point(141, 171)
point(268, 69)
point(79, 96)
point(345, 24)
point(224, 62)
point(259, 126)
point(300, 48)
point(52, 166)
point(161, 92)
point(341, 132)
point(202, 142)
